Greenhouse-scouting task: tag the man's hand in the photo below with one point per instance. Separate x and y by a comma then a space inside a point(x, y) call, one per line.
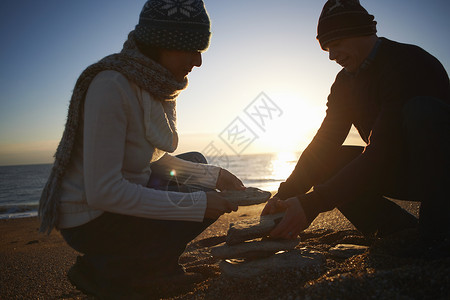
point(293, 222)
point(272, 207)
point(217, 206)
point(228, 181)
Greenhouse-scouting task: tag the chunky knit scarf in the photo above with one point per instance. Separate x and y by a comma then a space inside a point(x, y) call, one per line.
point(145, 73)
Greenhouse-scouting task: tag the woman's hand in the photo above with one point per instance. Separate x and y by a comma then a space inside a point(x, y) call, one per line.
point(217, 206)
point(228, 181)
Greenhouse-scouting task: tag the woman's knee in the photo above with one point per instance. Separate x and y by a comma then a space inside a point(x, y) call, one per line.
point(193, 157)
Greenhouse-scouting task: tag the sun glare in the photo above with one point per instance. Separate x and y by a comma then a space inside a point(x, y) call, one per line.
point(279, 167)
point(283, 164)
point(295, 128)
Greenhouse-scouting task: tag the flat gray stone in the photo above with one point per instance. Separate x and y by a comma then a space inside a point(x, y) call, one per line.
point(347, 250)
point(249, 196)
point(294, 259)
point(254, 249)
point(252, 228)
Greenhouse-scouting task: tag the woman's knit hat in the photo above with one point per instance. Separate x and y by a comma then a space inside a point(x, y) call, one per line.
point(343, 19)
point(174, 25)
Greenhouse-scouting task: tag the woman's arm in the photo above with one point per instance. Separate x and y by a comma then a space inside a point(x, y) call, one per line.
point(187, 172)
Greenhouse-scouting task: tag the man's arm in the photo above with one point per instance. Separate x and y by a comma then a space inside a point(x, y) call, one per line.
point(348, 184)
point(398, 84)
point(314, 164)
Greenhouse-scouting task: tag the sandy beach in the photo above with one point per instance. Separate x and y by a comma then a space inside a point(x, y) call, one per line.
point(34, 266)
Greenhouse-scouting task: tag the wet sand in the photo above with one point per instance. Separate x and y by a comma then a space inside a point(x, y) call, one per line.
point(34, 266)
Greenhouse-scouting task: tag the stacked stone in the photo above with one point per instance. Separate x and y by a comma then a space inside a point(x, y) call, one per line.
point(248, 252)
point(247, 197)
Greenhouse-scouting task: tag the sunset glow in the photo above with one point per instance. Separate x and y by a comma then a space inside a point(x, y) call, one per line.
point(268, 47)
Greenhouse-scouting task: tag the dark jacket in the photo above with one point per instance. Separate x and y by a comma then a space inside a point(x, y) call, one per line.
point(372, 100)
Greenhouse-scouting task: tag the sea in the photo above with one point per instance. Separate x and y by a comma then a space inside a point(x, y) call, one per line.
point(21, 186)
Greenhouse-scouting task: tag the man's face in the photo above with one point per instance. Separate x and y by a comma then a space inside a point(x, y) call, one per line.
point(180, 63)
point(347, 52)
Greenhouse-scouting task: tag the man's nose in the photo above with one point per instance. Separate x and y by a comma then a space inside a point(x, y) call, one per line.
point(197, 59)
point(332, 54)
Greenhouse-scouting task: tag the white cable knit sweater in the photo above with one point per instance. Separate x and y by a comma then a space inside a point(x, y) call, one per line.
point(111, 164)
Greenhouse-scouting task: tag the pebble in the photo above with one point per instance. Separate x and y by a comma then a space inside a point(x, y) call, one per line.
point(252, 228)
point(347, 250)
point(253, 249)
point(294, 259)
point(247, 197)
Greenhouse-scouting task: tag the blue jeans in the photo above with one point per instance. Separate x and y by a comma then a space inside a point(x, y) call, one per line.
point(422, 174)
point(120, 247)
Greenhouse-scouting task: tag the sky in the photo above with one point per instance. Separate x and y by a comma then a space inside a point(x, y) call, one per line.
point(262, 52)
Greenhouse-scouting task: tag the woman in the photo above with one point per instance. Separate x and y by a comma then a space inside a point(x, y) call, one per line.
point(123, 213)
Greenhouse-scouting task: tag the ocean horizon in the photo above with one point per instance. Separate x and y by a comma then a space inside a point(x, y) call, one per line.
point(21, 185)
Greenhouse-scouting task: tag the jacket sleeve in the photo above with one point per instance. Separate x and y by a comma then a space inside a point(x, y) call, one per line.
point(187, 172)
point(105, 130)
point(407, 72)
point(315, 161)
point(364, 173)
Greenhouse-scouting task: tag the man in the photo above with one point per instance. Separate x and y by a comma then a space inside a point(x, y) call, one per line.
point(398, 98)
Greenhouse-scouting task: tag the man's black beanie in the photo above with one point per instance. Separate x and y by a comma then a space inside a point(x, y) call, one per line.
point(343, 19)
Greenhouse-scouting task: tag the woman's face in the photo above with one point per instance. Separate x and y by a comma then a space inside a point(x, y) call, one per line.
point(180, 63)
